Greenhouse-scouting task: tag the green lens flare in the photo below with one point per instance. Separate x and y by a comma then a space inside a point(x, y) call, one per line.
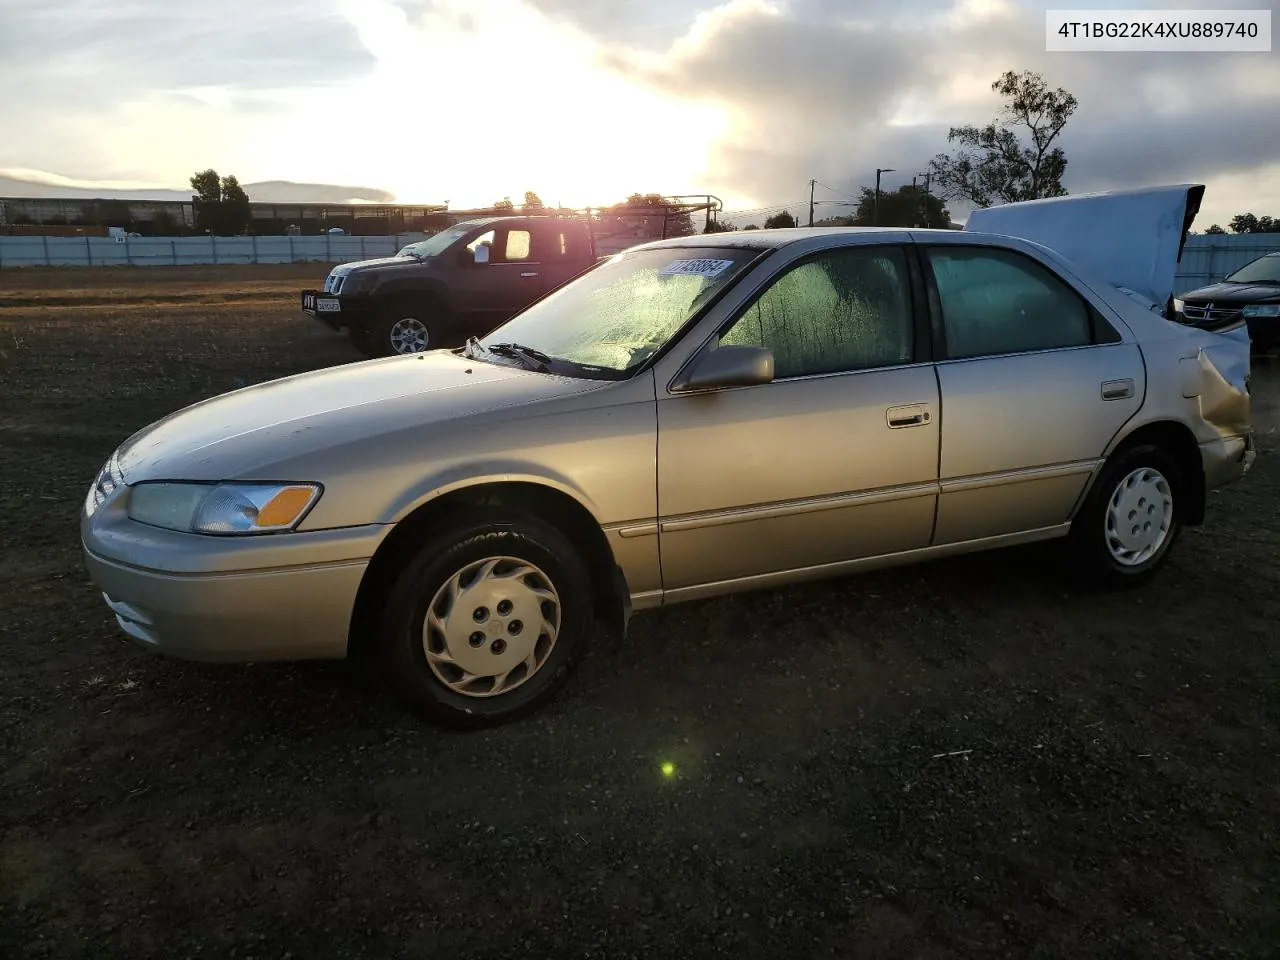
point(668, 769)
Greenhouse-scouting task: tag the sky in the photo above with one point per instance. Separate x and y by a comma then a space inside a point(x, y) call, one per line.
point(586, 101)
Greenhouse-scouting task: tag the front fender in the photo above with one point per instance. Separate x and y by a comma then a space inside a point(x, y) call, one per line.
point(464, 476)
point(426, 288)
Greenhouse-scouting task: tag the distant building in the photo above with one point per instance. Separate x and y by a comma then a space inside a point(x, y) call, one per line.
point(169, 217)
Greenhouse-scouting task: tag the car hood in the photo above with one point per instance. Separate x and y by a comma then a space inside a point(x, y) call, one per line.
point(1131, 238)
point(358, 265)
point(239, 434)
point(1241, 293)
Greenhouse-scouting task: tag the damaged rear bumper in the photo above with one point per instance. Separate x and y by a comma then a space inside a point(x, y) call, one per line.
point(1227, 459)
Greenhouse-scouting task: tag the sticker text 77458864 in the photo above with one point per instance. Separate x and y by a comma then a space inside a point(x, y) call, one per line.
point(695, 268)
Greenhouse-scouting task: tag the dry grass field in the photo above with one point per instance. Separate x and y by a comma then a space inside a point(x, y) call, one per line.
point(975, 758)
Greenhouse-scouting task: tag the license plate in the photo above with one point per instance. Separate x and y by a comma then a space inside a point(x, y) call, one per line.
point(321, 304)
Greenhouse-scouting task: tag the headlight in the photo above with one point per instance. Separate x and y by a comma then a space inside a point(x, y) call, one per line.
point(1263, 310)
point(104, 484)
point(222, 508)
point(1178, 305)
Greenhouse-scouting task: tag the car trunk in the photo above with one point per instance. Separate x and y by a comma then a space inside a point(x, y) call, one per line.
point(1131, 238)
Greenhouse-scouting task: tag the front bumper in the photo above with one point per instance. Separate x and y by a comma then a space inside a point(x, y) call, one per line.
point(335, 311)
point(230, 599)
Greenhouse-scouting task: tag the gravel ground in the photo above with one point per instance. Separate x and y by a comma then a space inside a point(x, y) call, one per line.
point(967, 758)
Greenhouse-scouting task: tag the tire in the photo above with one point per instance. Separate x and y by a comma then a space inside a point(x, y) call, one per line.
point(1139, 488)
point(404, 326)
point(499, 641)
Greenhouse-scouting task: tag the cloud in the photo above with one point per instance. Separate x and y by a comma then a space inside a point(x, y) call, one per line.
point(129, 88)
point(815, 92)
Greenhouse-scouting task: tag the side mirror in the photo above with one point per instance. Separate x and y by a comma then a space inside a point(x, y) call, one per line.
point(482, 254)
point(728, 366)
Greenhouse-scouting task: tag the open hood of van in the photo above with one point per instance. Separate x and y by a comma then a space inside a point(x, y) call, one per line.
point(1131, 238)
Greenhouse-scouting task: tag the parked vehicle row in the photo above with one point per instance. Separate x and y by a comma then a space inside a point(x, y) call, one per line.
point(692, 417)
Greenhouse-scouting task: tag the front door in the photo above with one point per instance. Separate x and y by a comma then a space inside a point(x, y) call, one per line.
point(834, 460)
point(486, 294)
point(1035, 382)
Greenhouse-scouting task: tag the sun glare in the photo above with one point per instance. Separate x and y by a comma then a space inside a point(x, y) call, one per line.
point(471, 102)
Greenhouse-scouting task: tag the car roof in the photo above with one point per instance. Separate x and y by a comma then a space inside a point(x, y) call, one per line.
point(781, 237)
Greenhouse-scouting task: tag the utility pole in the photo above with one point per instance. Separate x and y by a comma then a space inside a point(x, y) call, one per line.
point(922, 209)
point(812, 183)
point(875, 208)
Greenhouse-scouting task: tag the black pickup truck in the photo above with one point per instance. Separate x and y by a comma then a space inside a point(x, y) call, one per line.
point(459, 283)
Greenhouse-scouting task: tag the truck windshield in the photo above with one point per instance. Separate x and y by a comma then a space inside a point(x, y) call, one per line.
point(615, 317)
point(433, 245)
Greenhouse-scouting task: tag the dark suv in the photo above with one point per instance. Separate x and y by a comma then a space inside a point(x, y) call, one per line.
point(1251, 294)
point(460, 283)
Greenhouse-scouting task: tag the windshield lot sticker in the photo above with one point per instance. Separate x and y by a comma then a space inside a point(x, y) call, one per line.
point(695, 268)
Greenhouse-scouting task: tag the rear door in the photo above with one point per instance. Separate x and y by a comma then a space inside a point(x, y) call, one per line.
point(562, 249)
point(1034, 384)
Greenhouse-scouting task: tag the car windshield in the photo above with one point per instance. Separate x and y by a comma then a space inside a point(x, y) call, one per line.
point(615, 317)
point(1265, 269)
point(433, 245)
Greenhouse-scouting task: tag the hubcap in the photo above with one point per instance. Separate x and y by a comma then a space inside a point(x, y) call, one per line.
point(1138, 517)
point(491, 626)
point(409, 336)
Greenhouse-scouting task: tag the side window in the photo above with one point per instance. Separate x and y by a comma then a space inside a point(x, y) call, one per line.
point(484, 240)
point(843, 310)
point(550, 243)
point(996, 302)
point(517, 245)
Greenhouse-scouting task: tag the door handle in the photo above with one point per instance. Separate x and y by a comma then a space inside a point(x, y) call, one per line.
point(910, 415)
point(530, 274)
point(1117, 389)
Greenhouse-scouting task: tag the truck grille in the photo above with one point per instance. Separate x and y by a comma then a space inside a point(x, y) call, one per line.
point(1207, 313)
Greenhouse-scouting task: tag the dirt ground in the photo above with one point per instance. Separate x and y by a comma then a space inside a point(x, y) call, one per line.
point(972, 758)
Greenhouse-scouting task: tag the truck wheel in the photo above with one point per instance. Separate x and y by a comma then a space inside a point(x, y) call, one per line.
point(487, 620)
point(405, 326)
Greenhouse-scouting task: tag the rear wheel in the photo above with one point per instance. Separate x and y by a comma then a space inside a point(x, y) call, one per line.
point(1131, 518)
point(486, 622)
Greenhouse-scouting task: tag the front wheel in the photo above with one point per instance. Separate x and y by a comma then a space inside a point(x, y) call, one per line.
point(1131, 518)
point(485, 623)
point(402, 327)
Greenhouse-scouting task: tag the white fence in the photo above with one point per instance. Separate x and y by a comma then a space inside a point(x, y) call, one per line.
point(1205, 259)
point(181, 251)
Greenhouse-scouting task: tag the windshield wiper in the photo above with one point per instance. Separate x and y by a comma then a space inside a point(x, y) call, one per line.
point(533, 359)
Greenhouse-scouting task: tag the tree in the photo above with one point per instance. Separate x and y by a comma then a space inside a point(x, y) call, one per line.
point(207, 200)
point(783, 219)
point(532, 201)
point(220, 204)
point(1214, 228)
point(719, 226)
point(992, 164)
point(1248, 223)
point(751, 226)
point(504, 204)
point(905, 207)
point(236, 214)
